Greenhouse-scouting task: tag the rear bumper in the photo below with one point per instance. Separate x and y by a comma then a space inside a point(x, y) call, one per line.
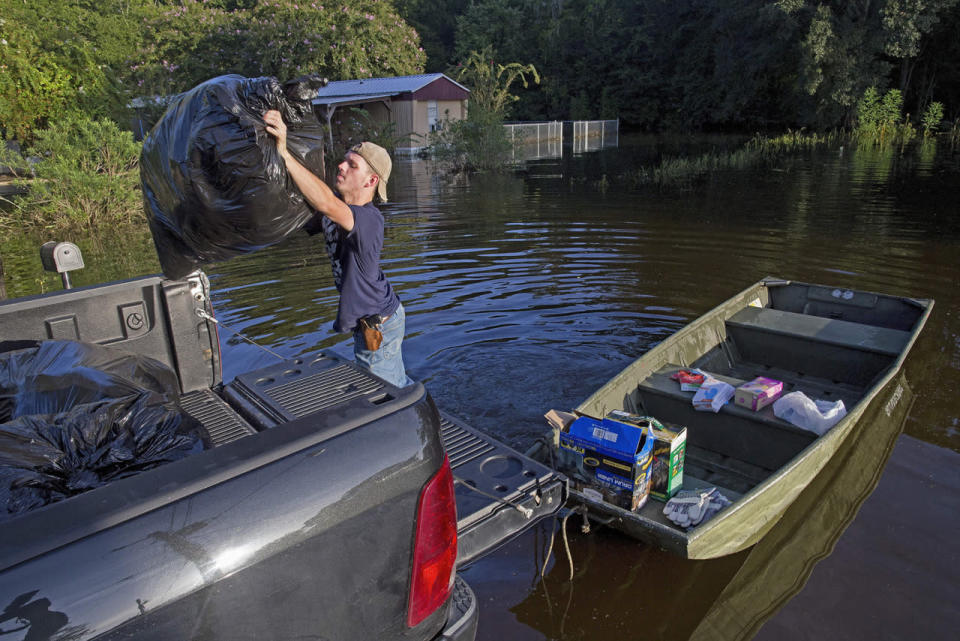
point(463, 615)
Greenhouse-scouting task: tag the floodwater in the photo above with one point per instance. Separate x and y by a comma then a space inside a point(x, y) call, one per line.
point(526, 292)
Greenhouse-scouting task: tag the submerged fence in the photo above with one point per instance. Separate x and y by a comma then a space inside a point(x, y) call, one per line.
point(590, 135)
point(535, 140)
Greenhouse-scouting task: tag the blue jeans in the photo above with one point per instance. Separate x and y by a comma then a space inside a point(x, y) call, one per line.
point(386, 362)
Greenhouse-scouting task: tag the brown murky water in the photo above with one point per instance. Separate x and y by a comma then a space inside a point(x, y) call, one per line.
point(527, 292)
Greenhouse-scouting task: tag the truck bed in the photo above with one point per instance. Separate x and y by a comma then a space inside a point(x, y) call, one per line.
point(155, 317)
point(298, 520)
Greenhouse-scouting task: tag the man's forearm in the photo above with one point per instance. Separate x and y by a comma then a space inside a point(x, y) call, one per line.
point(317, 193)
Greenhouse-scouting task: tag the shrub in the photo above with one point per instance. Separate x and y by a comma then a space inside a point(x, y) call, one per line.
point(87, 175)
point(478, 143)
point(932, 118)
point(879, 117)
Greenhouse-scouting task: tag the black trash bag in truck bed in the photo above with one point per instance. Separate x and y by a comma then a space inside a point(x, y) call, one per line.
point(74, 416)
point(214, 185)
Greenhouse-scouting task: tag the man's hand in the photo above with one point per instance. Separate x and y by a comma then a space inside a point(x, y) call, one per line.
point(317, 193)
point(277, 129)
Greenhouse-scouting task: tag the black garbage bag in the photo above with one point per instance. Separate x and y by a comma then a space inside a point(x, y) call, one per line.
point(75, 416)
point(49, 377)
point(214, 185)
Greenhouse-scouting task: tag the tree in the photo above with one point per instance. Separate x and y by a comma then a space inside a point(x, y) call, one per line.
point(586, 59)
point(480, 141)
point(909, 25)
point(87, 175)
point(489, 82)
point(503, 26)
point(436, 22)
point(58, 57)
point(854, 44)
point(339, 39)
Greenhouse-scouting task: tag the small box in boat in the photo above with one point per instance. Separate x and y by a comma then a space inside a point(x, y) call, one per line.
point(758, 393)
point(669, 450)
point(607, 460)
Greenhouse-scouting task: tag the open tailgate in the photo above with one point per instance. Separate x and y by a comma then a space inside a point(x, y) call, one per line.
point(499, 492)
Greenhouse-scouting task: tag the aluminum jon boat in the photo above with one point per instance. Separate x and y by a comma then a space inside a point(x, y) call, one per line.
point(830, 343)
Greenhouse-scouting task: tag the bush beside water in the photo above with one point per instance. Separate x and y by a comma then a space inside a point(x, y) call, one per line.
point(86, 174)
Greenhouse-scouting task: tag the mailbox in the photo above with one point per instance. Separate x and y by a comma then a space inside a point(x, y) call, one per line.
point(61, 258)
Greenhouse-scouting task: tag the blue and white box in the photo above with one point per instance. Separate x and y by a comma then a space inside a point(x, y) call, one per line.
point(607, 460)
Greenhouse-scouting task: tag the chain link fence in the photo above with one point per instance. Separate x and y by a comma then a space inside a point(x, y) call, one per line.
point(592, 135)
point(537, 140)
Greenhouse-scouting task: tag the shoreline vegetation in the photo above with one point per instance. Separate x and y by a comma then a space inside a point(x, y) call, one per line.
point(756, 152)
point(706, 65)
point(760, 151)
point(90, 179)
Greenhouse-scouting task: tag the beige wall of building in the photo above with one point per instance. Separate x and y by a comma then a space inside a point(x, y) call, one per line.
point(417, 113)
point(411, 117)
point(403, 117)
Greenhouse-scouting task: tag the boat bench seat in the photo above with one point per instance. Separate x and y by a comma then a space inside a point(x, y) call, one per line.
point(734, 431)
point(661, 383)
point(837, 350)
point(822, 330)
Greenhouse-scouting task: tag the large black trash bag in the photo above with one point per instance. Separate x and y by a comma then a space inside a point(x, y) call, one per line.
point(74, 416)
point(49, 377)
point(214, 185)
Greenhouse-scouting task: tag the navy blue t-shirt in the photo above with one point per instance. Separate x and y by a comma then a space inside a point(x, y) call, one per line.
point(355, 260)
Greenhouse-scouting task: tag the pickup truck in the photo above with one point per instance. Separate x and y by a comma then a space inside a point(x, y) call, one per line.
point(328, 504)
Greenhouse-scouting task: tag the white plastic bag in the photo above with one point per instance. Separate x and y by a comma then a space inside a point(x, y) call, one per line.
point(712, 395)
point(817, 416)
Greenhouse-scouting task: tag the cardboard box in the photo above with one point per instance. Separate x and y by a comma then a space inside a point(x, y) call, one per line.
point(608, 460)
point(669, 451)
point(758, 393)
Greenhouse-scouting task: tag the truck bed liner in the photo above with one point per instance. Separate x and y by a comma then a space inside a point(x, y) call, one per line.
point(221, 423)
point(498, 490)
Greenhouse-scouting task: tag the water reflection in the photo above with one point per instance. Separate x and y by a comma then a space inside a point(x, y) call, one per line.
point(779, 565)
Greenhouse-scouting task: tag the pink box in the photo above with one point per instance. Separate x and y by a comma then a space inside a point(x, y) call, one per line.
point(758, 393)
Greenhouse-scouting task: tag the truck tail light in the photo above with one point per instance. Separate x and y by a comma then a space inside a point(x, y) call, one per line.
point(435, 546)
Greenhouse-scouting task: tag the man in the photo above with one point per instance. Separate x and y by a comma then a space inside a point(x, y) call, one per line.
point(353, 228)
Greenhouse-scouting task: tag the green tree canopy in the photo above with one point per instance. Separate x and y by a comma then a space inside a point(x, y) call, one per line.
point(687, 64)
point(61, 56)
point(284, 38)
point(58, 57)
point(436, 22)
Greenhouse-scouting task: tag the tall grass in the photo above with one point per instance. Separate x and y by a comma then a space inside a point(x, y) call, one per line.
point(757, 152)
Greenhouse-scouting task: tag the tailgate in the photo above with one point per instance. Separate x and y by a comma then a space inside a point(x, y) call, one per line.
point(500, 492)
